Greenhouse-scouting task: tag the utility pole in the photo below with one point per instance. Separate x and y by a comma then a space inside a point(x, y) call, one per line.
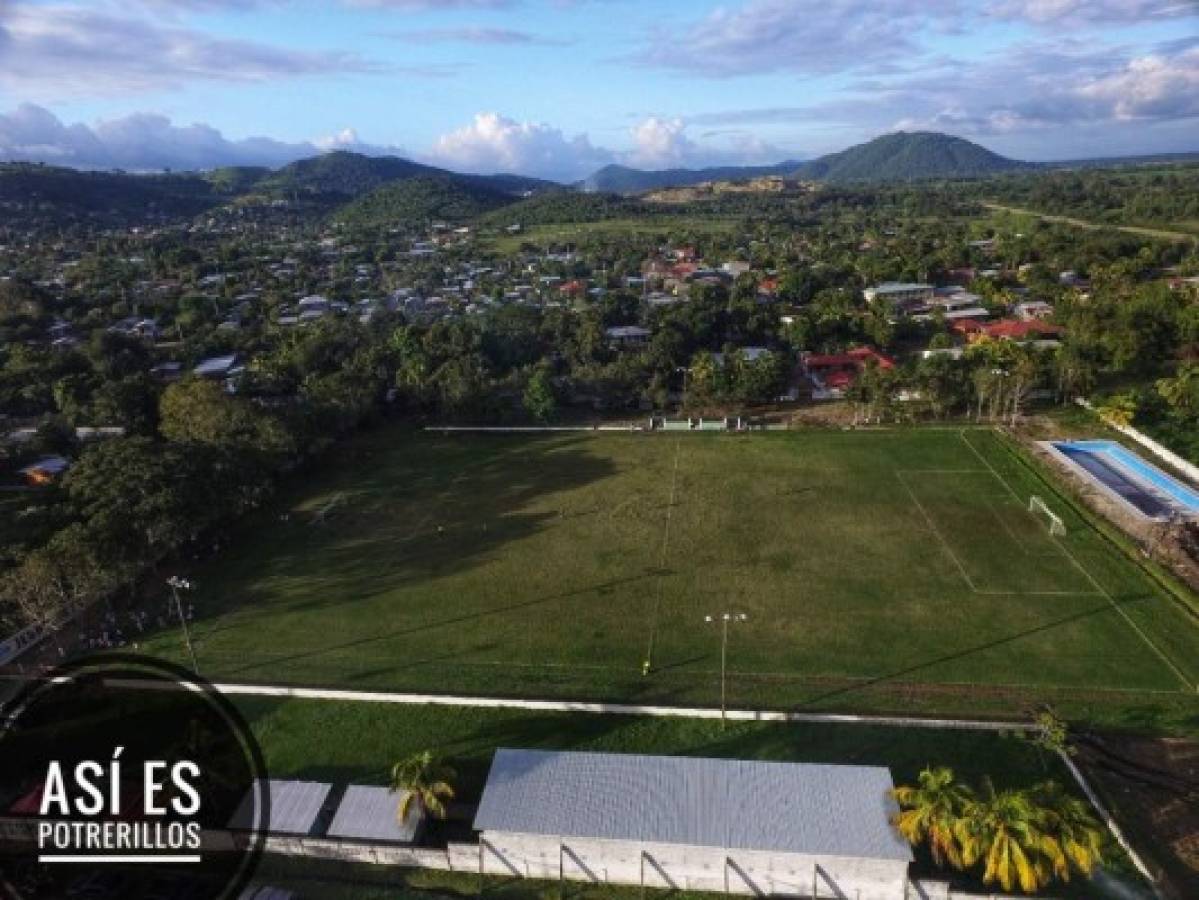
point(176, 584)
point(724, 619)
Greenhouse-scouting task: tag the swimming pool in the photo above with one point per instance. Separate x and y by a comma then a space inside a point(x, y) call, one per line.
point(1138, 483)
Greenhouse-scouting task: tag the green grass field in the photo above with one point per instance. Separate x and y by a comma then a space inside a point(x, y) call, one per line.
point(887, 571)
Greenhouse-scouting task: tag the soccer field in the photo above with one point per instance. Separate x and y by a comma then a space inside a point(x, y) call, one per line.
point(888, 570)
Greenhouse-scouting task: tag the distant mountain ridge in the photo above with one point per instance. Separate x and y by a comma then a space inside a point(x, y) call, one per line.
point(900, 156)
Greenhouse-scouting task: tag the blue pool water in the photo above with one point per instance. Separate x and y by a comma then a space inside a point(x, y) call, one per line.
point(1140, 483)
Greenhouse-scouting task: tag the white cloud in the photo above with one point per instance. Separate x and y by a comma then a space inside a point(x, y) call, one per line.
point(140, 142)
point(1057, 12)
point(68, 50)
point(1150, 87)
point(809, 36)
point(494, 143)
point(662, 143)
point(475, 35)
point(1046, 88)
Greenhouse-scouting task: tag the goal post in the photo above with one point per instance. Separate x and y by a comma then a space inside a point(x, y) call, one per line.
point(1038, 507)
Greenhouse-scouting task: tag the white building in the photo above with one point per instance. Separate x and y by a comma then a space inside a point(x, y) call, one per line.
point(732, 826)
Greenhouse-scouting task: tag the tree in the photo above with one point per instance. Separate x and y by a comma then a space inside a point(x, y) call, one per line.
point(1070, 821)
point(1182, 391)
point(931, 810)
point(538, 399)
point(196, 411)
point(1005, 831)
point(425, 780)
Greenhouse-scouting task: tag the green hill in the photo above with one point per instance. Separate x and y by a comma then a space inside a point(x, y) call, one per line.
point(422, 198)
point(31, 189)
point(901, 156)
point(623, 180)
point(905, 156)
point(340, 176)
point(564, 206)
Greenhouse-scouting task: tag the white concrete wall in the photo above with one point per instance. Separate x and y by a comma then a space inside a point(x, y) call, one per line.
point(694, 868)
point(1186, 467)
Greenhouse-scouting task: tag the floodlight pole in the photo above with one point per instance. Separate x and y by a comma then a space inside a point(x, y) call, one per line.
point(725, 619)
point(175, 583)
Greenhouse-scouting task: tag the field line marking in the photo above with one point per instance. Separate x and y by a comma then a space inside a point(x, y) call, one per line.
point(1178, 673)
point(622, 709)
point(1008, 528)
point(933, 528)
point(653, 621)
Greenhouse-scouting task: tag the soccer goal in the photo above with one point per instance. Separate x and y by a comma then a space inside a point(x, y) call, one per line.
point(1038, 507)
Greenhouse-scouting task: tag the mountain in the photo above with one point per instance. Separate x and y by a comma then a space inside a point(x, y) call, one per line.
point(623, 180)
point(904, 156)
point(422, 198)
point(321, 184)
point(901, 156)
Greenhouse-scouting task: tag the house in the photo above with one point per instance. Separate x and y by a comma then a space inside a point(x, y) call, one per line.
point(216, 366)
point(1033, 309)
point(1017, 330)
point(167, 371)
point(900, 295)
point(45, 471)
point(833, 373)
point(951, 304)
point(624, 337)
point(693, 824)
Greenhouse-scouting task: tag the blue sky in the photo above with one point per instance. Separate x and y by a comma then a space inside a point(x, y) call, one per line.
point(560, 87)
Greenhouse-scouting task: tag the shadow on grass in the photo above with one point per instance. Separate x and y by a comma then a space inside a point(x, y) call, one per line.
point(399, 528)
point(899, 674)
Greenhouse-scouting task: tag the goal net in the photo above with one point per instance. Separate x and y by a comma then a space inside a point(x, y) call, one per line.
point(1038, 507)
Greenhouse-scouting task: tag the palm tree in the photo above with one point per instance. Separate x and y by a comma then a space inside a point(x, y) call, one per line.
point(930, 812)
point(422, 779)
point(1071, 824)
point(1007, 831)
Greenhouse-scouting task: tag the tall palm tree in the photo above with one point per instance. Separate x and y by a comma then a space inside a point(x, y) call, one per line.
point(930, 812)
point(1072, 825)
point(1006, 830)
point(422, 779)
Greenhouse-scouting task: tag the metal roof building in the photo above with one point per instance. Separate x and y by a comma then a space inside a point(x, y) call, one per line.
point(694, 823)
point(370, 814)
point(295, 807)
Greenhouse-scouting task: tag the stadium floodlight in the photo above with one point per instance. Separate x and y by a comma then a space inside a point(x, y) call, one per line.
point(177, 584)
point(724, 619)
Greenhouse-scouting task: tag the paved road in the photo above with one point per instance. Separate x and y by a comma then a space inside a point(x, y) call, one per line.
point(1178, 236)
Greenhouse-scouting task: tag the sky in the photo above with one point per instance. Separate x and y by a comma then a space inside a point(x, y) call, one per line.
point(559, 88)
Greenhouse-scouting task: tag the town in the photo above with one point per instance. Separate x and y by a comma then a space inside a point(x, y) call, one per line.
point(766, 466)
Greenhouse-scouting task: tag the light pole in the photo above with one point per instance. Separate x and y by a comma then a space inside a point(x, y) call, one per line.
point(724, 619)
point(176, 584)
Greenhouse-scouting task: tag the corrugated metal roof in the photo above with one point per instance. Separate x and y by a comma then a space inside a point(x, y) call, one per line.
point(294, 806)
point(370, 813)
point(732, 804)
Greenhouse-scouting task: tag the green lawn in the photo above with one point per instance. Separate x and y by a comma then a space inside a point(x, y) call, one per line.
point(890, 570)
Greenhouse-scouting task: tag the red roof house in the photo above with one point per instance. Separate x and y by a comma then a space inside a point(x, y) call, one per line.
point(1016, 330)
point(837, 371)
